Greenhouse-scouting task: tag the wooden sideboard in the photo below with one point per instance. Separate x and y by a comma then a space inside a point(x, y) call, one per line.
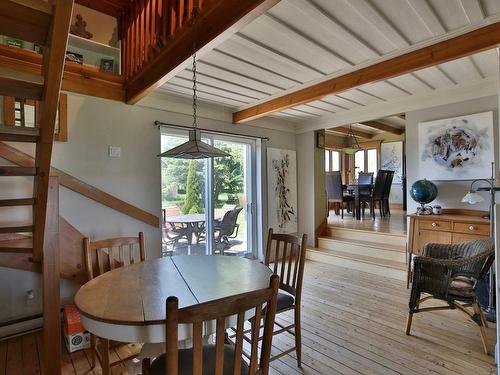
point(453, 226)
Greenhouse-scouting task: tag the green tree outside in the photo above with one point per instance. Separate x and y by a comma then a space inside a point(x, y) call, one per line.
point(193, 200)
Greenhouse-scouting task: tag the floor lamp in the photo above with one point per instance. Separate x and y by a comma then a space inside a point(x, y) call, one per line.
point(473, 197)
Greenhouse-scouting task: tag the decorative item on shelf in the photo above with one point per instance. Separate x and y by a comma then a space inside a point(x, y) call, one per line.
point(320, 140)
point(351, 144)
point(14, 42)
point(194, 148)
point(437, 210)
point(114, 41)
point(79, 28)
point(458, 148)
point(423, 192)
point(74, 57)
point(38, 48)
point(107, 65)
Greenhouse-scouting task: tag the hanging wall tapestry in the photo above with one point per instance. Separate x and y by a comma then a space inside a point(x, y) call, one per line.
point(282, 190)
point(458, 148)
point(391, 158)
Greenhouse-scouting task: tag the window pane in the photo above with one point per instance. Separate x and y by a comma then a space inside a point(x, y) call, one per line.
point(372, 161)
point(359, 161)
point(335, 161)
point(327, 160)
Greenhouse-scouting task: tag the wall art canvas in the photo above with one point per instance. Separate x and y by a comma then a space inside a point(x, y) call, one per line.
point(458, 148)
point(282, 190)
point(391, 158)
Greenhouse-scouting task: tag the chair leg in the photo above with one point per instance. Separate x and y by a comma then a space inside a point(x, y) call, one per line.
point(482, 332)
point(298, 338)
point(105, 356)
point(388, 208)
point(93, 342)
point(146, 366)
point(483, 319)
point(341, 210)
point(408, 323)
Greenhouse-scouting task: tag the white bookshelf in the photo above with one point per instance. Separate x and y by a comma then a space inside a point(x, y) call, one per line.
point(93, 51)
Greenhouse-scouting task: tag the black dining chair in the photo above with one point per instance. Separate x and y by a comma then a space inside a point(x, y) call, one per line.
point(377, 194)
point(335, 192)
point(387, 193)
point(365, 178)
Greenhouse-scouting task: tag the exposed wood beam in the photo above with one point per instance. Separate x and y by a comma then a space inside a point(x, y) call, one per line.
point(463, 45)
point(219, 20)
point(80, 79)
point(111, 8)
point(383, 127)
point(356, 132)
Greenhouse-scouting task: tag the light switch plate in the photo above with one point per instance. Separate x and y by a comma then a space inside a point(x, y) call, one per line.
point(114, 151)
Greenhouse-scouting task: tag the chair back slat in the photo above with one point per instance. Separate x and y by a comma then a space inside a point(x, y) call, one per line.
point(220, 311)
point(333, 182)
point(101, 257)
point(288, 264)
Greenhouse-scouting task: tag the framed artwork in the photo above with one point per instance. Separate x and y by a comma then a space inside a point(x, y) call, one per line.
point(282, 190)
point(107, 65)
point(457, 148)
point(24, 113)
point(391, 158)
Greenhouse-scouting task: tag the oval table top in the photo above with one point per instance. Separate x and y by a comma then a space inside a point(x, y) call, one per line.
point(129, 303)
point(188, 218)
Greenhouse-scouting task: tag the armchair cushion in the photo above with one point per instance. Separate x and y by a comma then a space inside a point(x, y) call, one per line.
point(462, 286)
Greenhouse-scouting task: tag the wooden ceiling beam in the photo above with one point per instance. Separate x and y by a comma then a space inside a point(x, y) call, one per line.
point(219, 19)
point(383, 127)
point(356, 132)
point(112, 8)
point(466, 44)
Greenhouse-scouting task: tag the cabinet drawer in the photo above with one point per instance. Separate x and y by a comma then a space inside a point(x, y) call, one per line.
point(470, 228)
point(462, 237)
point(435, 225)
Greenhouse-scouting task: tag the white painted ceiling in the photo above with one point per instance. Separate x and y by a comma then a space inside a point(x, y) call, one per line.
point(299, 42)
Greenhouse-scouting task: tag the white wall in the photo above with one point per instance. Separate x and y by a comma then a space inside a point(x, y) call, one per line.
point(449, 192)
point(93, 125)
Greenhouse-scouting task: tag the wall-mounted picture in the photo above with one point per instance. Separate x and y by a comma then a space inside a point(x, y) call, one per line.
point(282, 190)
point(107, 65)
point(458, 148)
point(391, 158)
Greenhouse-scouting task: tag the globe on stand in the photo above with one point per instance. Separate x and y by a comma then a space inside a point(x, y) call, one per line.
point(423, 192)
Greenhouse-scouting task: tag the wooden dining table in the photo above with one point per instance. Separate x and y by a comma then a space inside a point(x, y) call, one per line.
point(127, 304)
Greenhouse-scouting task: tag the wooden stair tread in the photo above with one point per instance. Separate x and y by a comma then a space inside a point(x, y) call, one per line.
point(19, 229)
point(361, 258)
point(26, 19)
point(18, 134)
point(336, 227)
point(21, 84)
point(22, 245)
point(370, 244)
point(17, 171)
point(17, 202)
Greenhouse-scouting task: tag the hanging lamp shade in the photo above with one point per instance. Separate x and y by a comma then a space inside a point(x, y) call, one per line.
point(194, 148)
point(351, 144)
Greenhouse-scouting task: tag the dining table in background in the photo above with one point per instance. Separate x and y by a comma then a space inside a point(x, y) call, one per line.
point(355, 189)
point(194, 224)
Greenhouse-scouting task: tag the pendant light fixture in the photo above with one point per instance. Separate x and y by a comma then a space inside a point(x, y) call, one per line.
point(194, 148)
point(351, 144)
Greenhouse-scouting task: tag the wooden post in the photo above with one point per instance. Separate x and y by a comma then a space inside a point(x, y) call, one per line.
point(51, 284)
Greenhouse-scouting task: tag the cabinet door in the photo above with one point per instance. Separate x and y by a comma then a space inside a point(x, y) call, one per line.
point(462, 237)
point(432, 236)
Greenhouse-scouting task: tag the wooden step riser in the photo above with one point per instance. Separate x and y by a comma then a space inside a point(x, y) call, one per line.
point(375, 252)
point(375, 237)
point(16, 250)
point(356, 265)
point(17, 202)
point(20, 229)
point(18, 138)
point(17, 171)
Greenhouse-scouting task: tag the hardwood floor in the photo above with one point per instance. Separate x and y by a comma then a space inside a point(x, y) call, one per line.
point(353, 323)
point(396, 223)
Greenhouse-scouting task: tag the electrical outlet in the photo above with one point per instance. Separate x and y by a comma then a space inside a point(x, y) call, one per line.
point(114, 151)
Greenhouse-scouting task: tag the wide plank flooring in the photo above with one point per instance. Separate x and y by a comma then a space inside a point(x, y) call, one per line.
point(396, 223)
point(353, 323)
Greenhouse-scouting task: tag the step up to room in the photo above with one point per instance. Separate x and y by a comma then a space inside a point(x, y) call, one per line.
point(17, 202)
point(18, 134)
point(19, 229)
point(24, 245)
point(361, 247)
point(396, 239)
point(17, 171)
point(373, 265)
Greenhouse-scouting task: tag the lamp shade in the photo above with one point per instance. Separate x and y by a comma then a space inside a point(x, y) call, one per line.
point(194, 148)
point(472, 197)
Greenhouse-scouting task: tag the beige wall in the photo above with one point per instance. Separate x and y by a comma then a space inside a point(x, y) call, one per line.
point(449, 192)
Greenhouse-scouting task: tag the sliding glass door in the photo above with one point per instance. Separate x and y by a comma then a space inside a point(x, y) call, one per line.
point(208, 204)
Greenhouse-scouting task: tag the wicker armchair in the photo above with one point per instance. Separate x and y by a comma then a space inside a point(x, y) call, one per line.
point(452, 273)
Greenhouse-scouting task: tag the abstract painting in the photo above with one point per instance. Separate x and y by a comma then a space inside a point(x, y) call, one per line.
point(391, 158)
point(282, 190)
point(458, 148)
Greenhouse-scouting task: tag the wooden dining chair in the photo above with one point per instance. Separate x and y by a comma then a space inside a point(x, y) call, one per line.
point(221, 358)
point(103, 256)
point(286, 256)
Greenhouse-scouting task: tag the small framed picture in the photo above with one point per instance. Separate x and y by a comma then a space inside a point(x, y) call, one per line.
point(38, 48)
point(107, 65)
point(320, 140)
point(74, 57)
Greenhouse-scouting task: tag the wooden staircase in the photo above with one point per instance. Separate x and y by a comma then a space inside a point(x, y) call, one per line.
point(47, 24)
point(382, 254)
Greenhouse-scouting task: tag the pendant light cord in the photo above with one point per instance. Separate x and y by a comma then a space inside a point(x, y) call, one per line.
point(195, 97)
